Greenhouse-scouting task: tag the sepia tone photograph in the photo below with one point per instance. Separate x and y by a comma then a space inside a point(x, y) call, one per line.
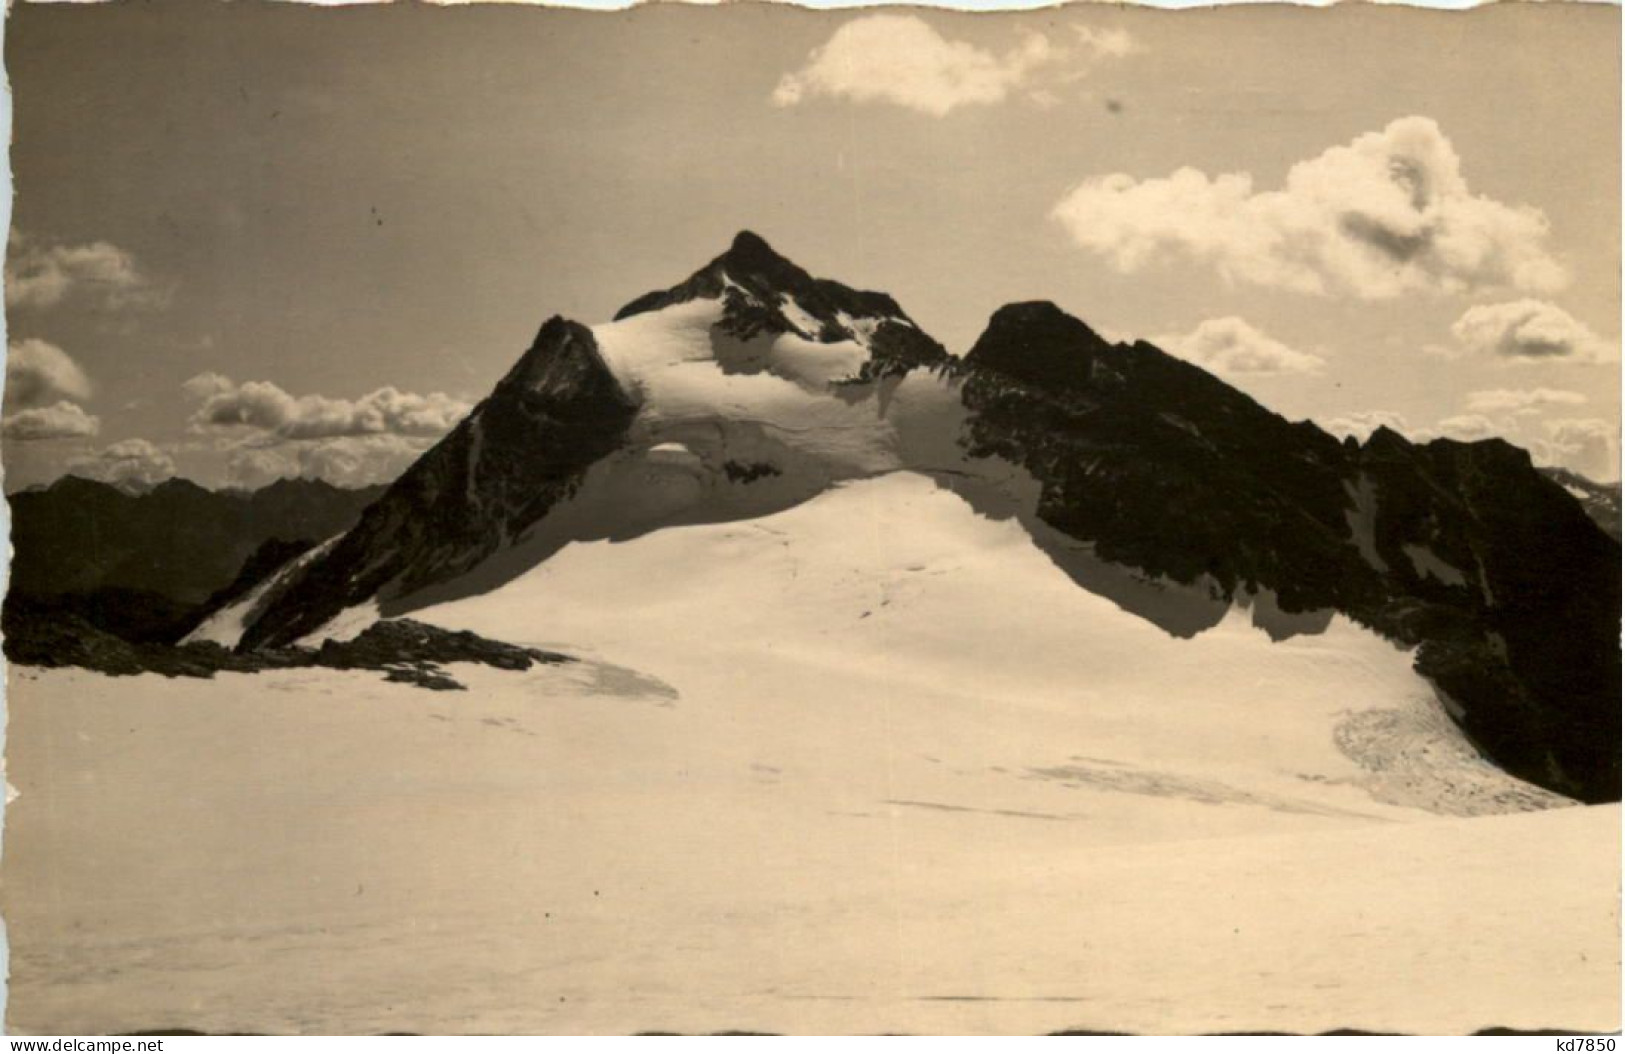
point(746, 519)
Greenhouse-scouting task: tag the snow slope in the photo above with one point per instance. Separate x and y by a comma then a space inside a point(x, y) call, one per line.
point(225, 626)
point(889, 598)
point(870, 763)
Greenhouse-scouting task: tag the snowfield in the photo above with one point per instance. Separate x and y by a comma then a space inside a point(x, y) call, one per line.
point(687, 376)
point(870, 763)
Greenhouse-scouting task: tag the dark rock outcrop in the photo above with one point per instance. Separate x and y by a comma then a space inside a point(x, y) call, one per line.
point(520, 452)
point(136, 616)
point(1165, 467)
point(1465, 549)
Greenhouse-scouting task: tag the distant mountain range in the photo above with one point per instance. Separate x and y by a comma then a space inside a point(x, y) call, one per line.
point(752, 387)
point(140, 563)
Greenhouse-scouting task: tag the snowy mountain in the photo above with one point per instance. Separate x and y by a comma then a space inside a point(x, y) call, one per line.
point(176, 540)
point(1463, 550)
point(745, 389)
point(817, 680)
point(752, 388)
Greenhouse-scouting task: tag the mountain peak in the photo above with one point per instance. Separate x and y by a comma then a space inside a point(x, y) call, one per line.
point(752, 263)
point(755, 269)
point(1035, 340)
point(563, 364)
point(750, 245)
point(1387, 442)
point(521, 451)
point(1041, 314)
point(764, 292)
point(71, 483)
point(294, 485)
point(176, 486)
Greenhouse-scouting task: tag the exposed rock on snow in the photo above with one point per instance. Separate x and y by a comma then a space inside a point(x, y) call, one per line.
point(401, 649)
point(1236, 494)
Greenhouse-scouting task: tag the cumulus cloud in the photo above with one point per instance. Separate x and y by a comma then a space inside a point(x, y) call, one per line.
point(63, 420)
point(38, 373)
point(1360, 425)
point(1522, 402)
point(125, 462)
point(359, 461)
point(254, 467)
point(1230, 346)
point(902, 60)
point(264, 407)
point(1467, 428)
point(42, 386)
point(1388, 213)
point(346, 461)
point(42, 276)
point(269, 434)
point(1529, 331)
point(1587, 445)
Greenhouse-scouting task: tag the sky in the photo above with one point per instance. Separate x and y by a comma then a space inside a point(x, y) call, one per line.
point(256, 240)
